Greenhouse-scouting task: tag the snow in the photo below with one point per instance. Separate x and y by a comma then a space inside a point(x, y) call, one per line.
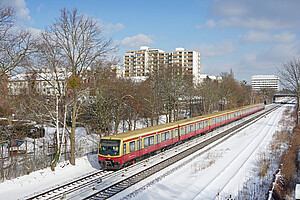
point(45, 179)
point(218, 173)
point(215, 174)
point(297, 191)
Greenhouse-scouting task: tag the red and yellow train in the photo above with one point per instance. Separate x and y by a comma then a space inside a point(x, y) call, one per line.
point(120, 150)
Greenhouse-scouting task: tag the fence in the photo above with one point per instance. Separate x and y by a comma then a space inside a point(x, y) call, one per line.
point(36, 154)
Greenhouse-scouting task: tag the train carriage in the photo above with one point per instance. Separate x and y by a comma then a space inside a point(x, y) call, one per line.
point(193, 126)
point(127, 147)
point(119, 150)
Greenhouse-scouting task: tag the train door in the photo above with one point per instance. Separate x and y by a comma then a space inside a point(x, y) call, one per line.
point(124, 152)
point(176, 133)
point(157, 141)
point(139, 145)
point(182, 133)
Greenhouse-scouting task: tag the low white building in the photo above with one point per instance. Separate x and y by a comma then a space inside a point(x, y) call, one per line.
point(119, 70)
point(259, 82)
point(202, 77)
point(43, 82)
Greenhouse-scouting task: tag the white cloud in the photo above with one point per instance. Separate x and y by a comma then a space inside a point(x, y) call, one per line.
point(255, 36)
point(110, 28)
point(40, 8)
point(255, 14)
point(208, 25)
point(137, 41)
point(22, 12)
point(208, 51)
point(34, 31)
point(252, 23)
point(267, 60)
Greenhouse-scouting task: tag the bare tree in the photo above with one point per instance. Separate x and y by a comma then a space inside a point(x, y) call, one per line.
point(15, 44)
point(15, 48)
point(81, 44)
point(7, 19)
point(209, 91)
point(290, 78)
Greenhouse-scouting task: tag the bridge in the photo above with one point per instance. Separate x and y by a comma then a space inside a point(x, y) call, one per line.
point(278, 96)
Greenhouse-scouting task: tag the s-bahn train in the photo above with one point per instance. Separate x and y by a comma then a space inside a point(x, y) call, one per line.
point(120, 150)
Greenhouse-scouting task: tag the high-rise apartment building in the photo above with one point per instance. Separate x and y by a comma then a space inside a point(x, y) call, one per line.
point(259, 82)
point(142, 62)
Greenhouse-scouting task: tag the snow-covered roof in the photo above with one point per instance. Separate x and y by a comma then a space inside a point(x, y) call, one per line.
point(39, 76)
point(297, 191)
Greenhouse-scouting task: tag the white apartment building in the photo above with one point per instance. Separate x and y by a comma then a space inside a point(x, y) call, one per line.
point(259, 82)
point(142, 62)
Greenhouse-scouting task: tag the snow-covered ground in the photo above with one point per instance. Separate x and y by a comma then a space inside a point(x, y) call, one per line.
point(218, 173)
point(44, 179)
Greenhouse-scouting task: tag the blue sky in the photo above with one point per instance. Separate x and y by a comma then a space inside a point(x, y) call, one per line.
point(251, 37)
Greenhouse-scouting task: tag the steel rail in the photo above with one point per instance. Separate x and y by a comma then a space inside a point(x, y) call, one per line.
point(126, 183)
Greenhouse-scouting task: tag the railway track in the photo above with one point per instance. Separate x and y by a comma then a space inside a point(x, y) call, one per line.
point(127, 182)
point(230, 171)
point(60, 192)
point(92, 187)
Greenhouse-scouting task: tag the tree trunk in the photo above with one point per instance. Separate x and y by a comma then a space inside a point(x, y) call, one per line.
point(152, 115)
point(134, 121)
point(72, 134)
point(58, 150)
point(297, 110)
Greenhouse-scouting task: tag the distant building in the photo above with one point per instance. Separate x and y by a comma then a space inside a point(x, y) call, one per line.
point(43, 82)
point(118, 70)
point(259, 82)
point(213, 78)
point(142, 62)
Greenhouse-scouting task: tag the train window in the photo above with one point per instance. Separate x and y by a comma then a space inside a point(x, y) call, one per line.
point(132, 146)
point(185, 130)
point(167, 135)
point(124, 149)
point(176, 132)
point(109, 147)
point(151, 140)
point(190, 128)
point(138, 145)
point(182, 131)
point(163, 136)
point(146, 142)
point(172, 134)
point(206, 123)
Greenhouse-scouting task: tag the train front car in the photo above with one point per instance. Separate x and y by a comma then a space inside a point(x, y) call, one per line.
point(109, 153)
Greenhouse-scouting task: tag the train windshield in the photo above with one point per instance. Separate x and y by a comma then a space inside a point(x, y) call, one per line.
point(109, 147)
